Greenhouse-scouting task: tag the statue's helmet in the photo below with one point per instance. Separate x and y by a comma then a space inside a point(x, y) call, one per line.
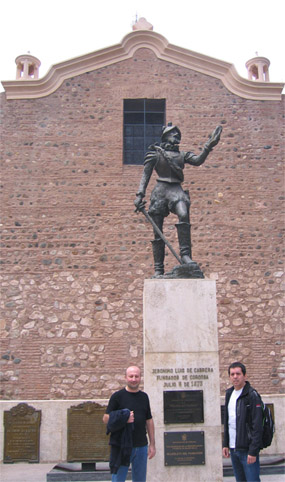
point(169, 128)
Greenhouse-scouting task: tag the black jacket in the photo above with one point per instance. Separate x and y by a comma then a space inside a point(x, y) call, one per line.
point(121, 439)
point(248, 420)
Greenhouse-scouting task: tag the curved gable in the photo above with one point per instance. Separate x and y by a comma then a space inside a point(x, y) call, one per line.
point(226, 72)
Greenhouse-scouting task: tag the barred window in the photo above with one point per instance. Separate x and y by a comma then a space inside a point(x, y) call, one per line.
point(143, 121)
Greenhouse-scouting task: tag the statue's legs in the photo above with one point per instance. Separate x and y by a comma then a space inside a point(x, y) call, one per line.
point(183, 231)
point(184, 238)
point(158, 248)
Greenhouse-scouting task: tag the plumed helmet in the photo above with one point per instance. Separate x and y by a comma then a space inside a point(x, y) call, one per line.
point(169, 128)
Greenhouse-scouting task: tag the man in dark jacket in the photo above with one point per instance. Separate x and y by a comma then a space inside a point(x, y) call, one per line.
point(242, 425)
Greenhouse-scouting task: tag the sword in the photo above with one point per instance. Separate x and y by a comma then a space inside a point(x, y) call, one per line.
point(157, 230)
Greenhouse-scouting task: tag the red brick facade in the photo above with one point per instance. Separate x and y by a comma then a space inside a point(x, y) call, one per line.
point(75, 255)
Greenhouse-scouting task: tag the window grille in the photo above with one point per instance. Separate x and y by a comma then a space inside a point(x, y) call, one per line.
point(143, 121)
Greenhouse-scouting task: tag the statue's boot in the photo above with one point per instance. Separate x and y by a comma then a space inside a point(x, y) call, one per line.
point(158, 249)
point(184, 238)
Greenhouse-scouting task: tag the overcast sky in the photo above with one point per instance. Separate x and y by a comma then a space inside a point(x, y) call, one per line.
point(57, 30)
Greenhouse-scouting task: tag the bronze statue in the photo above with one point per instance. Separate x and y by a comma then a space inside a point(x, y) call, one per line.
point(168, 196)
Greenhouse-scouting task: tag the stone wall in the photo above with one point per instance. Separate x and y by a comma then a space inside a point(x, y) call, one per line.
point(75, 255)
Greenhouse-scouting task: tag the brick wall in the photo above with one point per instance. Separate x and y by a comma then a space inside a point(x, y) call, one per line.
point(75, 255)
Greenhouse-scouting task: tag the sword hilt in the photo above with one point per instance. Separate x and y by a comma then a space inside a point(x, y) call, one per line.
point(140, 207)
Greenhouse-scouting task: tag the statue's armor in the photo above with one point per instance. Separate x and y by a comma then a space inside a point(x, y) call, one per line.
point(168, 164)
point(170, 170)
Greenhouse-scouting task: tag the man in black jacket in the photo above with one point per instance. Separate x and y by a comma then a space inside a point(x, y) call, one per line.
point(242, 425)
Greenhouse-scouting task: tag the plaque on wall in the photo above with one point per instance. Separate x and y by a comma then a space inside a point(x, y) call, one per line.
point(86, 434)
point(271, 408)
point(22, 434)
point(222, 414)
point(183, 406)
point(184, 448)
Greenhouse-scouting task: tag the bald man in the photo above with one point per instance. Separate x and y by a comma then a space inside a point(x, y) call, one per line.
point(128, 415)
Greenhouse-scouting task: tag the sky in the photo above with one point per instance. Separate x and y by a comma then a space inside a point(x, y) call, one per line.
point(58, 30)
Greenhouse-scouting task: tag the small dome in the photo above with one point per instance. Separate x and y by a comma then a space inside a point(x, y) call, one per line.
point(258, 69)
point(27, 67)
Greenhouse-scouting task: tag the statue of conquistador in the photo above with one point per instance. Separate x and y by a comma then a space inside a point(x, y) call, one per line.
point(168, 196)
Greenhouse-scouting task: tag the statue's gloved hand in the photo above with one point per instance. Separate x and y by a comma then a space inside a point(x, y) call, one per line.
point(139, 203)
point(214, 138)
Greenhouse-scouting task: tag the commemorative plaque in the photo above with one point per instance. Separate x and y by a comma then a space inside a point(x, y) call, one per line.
point(184, 448)
point(222, 414)
point(183, 406)
point(86, 434)
point(22, 434)
point(271, 408)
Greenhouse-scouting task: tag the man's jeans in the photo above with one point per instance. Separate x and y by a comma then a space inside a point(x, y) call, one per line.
point(139, 462)
point(243, 471)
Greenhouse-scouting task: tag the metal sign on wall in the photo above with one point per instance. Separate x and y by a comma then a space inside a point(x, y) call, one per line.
point(86, 434)
point(22, 434)
point(184, 448)
point(183, 406)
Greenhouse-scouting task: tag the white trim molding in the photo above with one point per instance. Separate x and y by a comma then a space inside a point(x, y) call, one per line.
point(226, 72)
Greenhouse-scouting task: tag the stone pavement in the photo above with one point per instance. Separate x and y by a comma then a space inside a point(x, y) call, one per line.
point(23, 472)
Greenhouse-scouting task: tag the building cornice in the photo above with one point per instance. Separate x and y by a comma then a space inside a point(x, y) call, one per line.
point(226, 72)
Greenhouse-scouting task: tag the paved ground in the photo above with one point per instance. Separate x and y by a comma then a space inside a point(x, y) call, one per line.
point(22, 472)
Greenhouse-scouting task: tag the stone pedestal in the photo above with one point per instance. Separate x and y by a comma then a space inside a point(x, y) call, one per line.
point(181, 354)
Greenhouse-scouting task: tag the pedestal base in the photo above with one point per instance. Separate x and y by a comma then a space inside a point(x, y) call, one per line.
point(68, 472)
point(181, 355)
